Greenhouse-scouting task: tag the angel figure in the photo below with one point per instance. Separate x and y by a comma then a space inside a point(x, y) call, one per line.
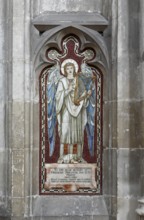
point(71, 103)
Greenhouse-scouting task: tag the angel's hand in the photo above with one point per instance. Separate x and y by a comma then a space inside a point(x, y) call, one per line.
point(94, 78)
point(89, 93)
point(77, 102)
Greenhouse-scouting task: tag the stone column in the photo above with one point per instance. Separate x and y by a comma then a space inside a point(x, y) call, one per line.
point(142, 92)
point(122, 107)
point(128, 105)
point(18, 109)
point(140, 209)
point(20, 140)
point(5, 64)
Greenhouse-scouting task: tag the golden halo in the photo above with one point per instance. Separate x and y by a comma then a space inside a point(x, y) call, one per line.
point(69, 61)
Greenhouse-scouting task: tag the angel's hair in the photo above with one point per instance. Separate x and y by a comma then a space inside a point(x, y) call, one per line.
point(69, 64)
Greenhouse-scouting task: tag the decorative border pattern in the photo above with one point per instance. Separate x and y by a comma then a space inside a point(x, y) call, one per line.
point(42, 127)
point(99, 133)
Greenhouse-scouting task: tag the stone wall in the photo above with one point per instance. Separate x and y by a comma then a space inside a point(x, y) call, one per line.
point(123, 127)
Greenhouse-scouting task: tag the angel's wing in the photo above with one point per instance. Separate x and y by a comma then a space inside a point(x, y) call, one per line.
point(86, 76)
point(53, 78)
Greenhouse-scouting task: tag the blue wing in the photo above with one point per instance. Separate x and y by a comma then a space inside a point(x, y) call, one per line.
point(90, 126)
point(86, 76)
point(53, 78)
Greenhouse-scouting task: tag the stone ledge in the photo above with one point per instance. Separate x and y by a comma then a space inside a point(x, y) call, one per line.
point(49, 20)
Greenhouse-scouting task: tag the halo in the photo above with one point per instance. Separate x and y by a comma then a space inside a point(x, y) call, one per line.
point(69, 61)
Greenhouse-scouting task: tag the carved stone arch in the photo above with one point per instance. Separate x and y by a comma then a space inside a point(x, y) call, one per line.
point(96, 40)
point(95, 37)
point(54, 38)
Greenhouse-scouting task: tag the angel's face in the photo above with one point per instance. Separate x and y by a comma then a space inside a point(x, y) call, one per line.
point(70, 71)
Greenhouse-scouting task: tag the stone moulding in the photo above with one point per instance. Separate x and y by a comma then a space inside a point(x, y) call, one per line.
point(91, 20)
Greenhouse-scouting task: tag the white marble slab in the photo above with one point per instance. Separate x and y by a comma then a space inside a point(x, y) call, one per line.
point(70, 177)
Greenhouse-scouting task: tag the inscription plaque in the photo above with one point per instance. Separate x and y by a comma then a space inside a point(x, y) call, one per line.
point(70, 177)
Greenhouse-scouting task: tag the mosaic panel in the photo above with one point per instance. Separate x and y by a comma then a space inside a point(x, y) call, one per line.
point(70, 119)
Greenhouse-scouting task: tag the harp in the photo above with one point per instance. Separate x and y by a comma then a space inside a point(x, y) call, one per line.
point(80, 92)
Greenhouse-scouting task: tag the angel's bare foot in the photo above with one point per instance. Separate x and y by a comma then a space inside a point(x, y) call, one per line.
point(81, 160)
point(73, 161)
point(60, 160)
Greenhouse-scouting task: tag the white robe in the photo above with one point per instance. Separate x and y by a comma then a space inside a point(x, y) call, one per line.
point(71, 118)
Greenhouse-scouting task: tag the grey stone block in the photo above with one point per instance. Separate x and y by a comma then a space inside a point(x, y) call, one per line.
point(112, 218)
point(18, 8)
point(20, 218)
point(69, 206)
point(129, 124)
point(71, 218)
point(126, 208)
point(2, 173)
point(86, 218)
point(72, 5)
point(51, 218)
point(35, 183)
point(18, 207)
point(100, 218)
point(4, 213)
point(5, 218)
point(128, 172)
point(110, 171)
point(36, 125)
